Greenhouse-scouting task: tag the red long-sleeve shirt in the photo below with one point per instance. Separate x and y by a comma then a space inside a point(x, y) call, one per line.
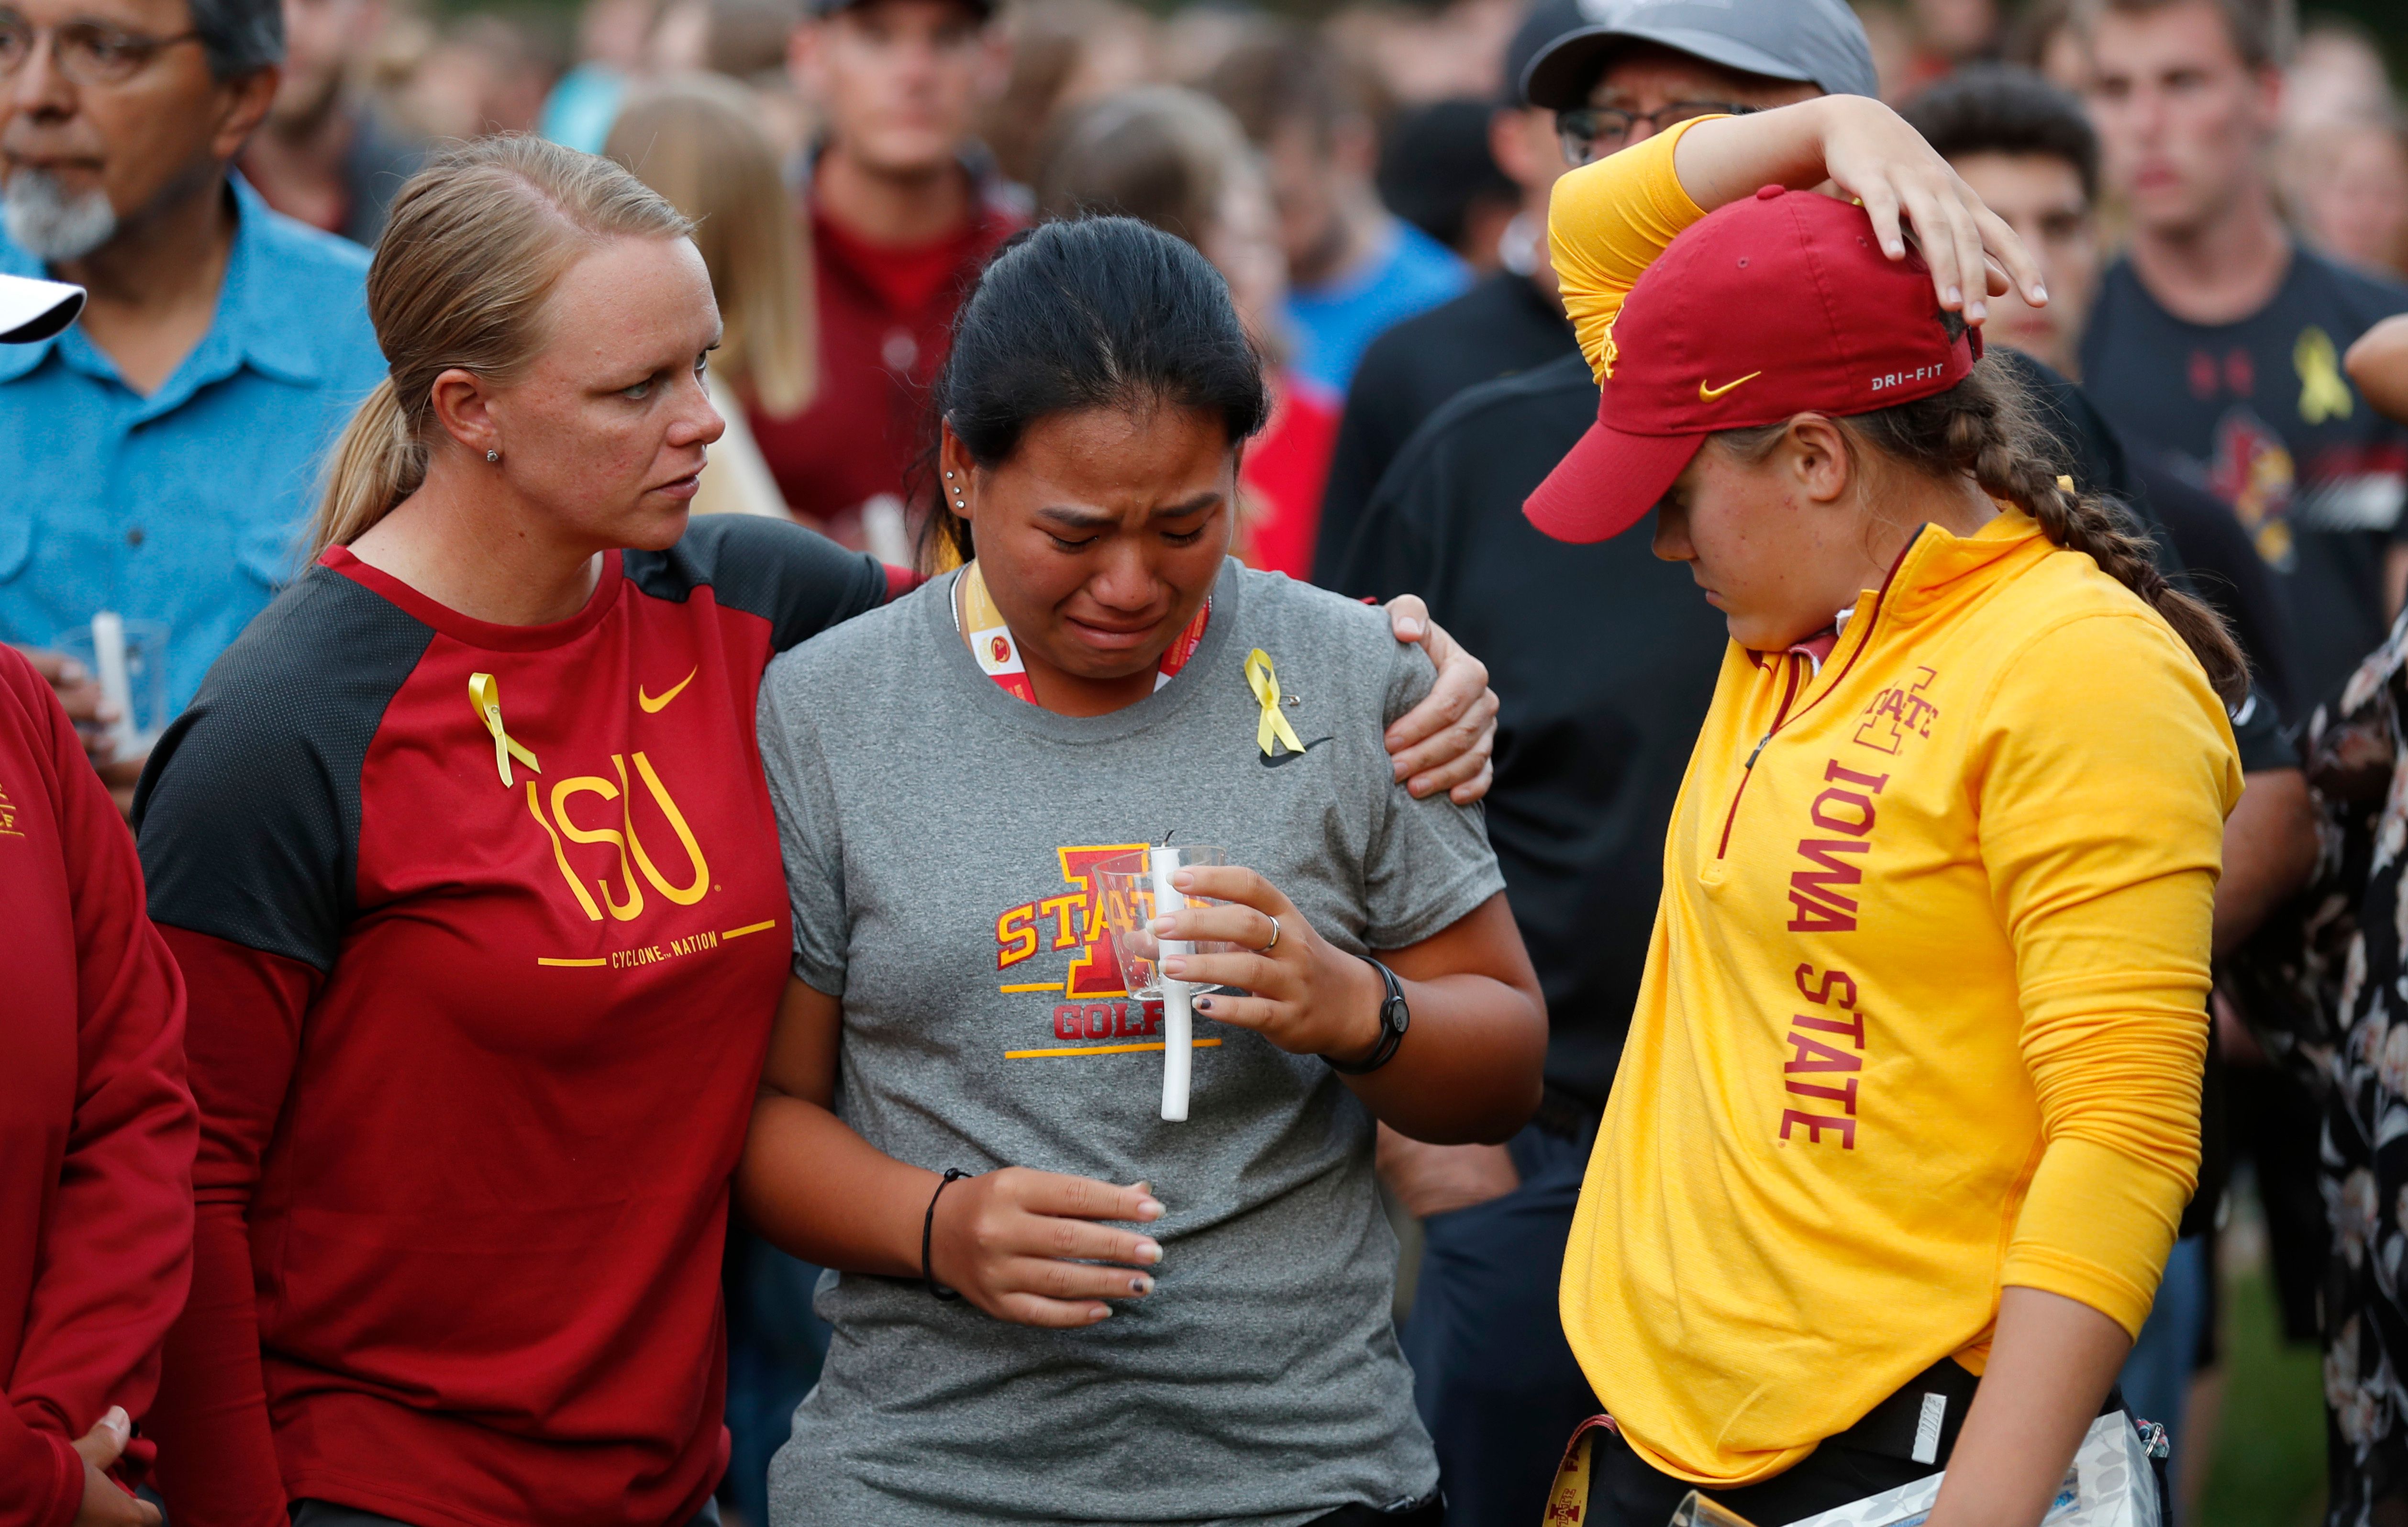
point(475, 1055)
point(97, 1128)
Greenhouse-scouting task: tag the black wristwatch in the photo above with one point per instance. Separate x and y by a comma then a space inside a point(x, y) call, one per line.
point(1394, 1018)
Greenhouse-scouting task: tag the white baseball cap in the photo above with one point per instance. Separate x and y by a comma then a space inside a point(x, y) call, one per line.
point(32, 310)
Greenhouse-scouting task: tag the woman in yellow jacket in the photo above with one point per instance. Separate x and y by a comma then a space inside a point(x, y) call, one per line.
point(1910, 1105)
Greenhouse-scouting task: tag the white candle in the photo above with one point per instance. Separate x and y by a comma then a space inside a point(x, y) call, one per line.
point(1178, 1016)
point(116, 679)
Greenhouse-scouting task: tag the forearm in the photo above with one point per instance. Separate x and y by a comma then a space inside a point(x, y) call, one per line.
point(1470, 1068)
point(816, 1189)
point(217, 1448)
point(2270, 850)
point(1725, 159)
point(2378, 363)
point(2050, 1362)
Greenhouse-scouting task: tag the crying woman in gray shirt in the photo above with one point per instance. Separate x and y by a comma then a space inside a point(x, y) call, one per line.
point(1049, 1304)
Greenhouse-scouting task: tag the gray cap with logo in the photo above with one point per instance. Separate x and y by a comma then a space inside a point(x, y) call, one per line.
point(1819, 42)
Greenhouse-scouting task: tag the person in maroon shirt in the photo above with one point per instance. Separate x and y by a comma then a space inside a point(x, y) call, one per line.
point(900, 225)
point(96, 1126)
point(467, 854)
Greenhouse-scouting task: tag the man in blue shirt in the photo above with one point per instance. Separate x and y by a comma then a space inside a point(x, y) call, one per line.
point(157, 459)
point(1353, 267)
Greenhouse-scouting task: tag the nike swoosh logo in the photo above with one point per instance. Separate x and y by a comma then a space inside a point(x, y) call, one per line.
point(1707, 394)
point(652, 706)
point(1284, 758)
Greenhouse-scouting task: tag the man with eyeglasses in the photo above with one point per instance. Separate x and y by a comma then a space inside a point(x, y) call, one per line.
point(1607, 659)
point(157, 458)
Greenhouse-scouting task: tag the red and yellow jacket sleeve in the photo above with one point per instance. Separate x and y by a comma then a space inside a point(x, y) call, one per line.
point(1606, 223)
point(2103, 803)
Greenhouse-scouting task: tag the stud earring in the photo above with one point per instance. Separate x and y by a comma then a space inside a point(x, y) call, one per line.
point(492, 456)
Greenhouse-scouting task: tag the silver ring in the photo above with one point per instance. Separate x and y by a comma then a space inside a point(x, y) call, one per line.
point(1274, 943)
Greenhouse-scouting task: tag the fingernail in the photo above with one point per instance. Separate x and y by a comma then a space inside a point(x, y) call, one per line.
point(1894, 249)
point(1409, 630)
point(1102, 1312)
point(1160, 925)
point(72, 671)
point(1975, 313)
point(1173, 966)
point(117, 1419)
point(1182, 878)
point(1150, 1208)
point(1140, 1284)
point(1397, 765)
point(1203, 1004)
point(2040, 293)
point(1148, 1252)
point(1956, 295)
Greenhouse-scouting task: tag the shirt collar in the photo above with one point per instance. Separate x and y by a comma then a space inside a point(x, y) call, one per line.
point(253, 324)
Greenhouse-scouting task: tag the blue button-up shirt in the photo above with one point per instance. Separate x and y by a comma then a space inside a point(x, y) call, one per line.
point(186, 507)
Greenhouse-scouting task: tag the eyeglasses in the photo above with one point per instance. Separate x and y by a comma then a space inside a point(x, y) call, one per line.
point(1589, 133)
point(87, 53)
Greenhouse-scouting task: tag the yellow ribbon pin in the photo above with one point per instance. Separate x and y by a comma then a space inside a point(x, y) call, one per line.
point(486, 696)
point(1265, 685)
point(2323, 393)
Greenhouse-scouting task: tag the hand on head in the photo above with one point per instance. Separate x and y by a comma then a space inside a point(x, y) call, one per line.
point(1870, 155)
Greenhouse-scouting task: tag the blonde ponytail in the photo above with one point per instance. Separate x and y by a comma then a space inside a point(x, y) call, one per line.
point(474, 246)
point(376, 464)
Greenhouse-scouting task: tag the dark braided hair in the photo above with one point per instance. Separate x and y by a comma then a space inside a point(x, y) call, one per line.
point(1988, 428)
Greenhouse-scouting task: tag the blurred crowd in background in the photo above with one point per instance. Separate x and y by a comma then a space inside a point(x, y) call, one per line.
point(1387, 163)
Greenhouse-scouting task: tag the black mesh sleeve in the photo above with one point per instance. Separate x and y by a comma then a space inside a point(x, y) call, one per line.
point(248, 814)
point(799, 580)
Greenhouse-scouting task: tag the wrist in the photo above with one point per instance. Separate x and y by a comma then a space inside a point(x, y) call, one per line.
point(1364, 994)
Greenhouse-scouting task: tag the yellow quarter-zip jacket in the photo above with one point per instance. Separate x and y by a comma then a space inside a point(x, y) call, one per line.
point(1925, 1006)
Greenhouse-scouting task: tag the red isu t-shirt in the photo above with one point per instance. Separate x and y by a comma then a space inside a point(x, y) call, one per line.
point(475, 1057)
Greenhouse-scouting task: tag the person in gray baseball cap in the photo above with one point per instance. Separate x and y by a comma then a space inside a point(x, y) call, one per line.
point(1606, 661)
point(1813, 42)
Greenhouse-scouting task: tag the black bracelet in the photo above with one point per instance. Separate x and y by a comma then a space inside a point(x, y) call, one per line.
point(928, 1230)
point(1395, 1017)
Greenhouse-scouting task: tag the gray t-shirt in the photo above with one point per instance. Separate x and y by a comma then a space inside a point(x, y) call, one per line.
point(938, 834)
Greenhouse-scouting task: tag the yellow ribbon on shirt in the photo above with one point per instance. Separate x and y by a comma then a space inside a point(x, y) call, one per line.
point(2323, 393)
point(1264, 684)
point(486, 696)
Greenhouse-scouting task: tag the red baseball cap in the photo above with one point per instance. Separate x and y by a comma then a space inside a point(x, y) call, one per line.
point(1772, 307)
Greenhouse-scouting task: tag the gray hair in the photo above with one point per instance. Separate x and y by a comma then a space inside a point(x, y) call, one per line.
point(239, 36)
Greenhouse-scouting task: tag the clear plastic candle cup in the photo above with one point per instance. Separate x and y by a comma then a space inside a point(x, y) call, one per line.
point(1136, 889)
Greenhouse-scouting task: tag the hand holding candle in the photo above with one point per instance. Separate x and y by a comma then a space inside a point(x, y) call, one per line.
point(1305, 995)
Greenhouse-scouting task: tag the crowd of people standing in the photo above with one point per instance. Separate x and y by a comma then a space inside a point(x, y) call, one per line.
point(410, 1139)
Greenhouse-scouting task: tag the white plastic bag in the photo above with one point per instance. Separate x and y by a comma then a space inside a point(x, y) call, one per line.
point(2111, 1484)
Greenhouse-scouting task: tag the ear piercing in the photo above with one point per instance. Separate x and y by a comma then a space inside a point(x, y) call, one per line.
point(959, 506)
point(493, 456)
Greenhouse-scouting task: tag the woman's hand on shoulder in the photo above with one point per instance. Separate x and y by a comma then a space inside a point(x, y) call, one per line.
point(1031, 1246)
point(1308, 995)
point(1444, 742)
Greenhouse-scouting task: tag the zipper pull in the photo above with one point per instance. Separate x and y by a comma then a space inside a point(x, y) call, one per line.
point(1758, 753)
